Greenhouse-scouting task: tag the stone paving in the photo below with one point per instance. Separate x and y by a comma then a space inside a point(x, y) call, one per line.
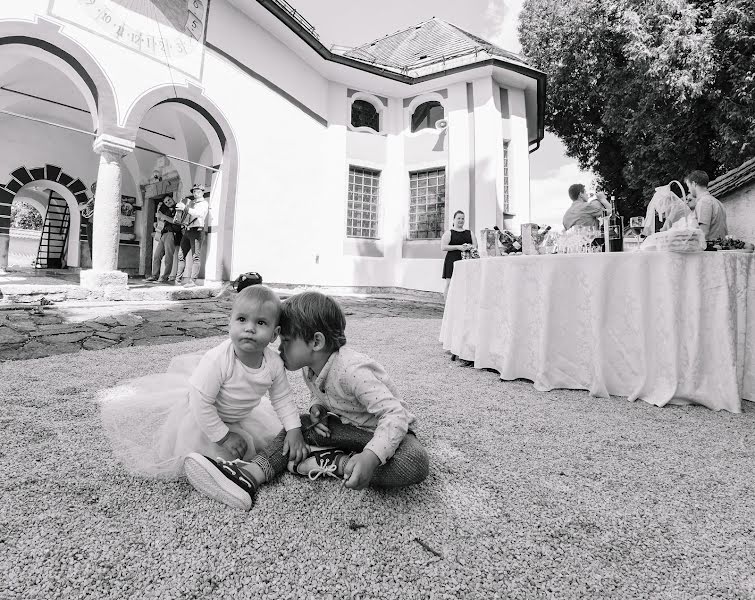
point(58, 329)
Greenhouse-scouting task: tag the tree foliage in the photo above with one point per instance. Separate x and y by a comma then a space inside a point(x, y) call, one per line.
point(25, 216)
point(643, 91)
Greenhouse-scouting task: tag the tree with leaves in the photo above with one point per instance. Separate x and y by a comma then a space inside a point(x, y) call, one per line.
point(25, 216)
point(642, 92)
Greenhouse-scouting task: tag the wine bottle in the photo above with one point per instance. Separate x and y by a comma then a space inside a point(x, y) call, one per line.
point(507, 237)
point(512, 240)
point(615, 230)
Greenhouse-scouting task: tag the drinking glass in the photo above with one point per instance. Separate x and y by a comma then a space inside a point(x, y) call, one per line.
point(637, 224)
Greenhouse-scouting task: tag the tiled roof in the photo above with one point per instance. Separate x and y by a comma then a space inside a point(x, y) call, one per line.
point(734, 179)
point(429, 42)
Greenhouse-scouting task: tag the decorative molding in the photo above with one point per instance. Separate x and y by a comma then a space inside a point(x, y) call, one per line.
point(379, 108)
point(383, 100)
point(112, 144)
point(416, 102)
point(443, 93)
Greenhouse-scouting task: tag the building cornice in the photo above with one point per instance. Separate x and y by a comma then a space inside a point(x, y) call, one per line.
point(308, 37)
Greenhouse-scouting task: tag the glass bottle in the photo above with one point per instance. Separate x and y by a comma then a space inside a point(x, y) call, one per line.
point(615, 229)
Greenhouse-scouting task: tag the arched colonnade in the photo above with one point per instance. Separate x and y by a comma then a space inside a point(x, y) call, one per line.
point(114, 138)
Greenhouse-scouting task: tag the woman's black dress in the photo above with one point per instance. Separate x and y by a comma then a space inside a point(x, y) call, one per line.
point(457, 239)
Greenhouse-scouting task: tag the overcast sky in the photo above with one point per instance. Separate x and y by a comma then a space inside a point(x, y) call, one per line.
point(356, 22)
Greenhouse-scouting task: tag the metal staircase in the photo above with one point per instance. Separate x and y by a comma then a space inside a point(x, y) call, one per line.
point(52, 244)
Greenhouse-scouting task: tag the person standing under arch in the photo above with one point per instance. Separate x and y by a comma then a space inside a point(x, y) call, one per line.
point(87, 213)
point(193, 227)
point(453, 243)
point(166, 244)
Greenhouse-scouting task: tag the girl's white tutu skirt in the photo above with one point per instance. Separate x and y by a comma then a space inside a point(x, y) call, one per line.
point(151, 427)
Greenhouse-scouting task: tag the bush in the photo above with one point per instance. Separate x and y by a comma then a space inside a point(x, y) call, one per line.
point(25, 216)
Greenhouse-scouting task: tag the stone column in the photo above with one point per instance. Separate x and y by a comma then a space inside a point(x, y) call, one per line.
point(4, 243)
point(107, 215)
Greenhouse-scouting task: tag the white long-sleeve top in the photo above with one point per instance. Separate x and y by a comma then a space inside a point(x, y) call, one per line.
point(198, 209)
point(224, 390)
point(358, 390)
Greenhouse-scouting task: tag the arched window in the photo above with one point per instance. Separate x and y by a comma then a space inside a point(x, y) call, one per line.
point(426, 115)
point(364, 114)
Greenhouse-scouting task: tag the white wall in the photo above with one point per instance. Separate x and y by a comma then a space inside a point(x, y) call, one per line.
point(236, 34)
point(280, 222)
point(740, 213)
point(366, 148)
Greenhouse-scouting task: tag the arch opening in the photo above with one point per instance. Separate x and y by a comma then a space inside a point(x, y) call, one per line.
point(198, 141)
point(54, 91)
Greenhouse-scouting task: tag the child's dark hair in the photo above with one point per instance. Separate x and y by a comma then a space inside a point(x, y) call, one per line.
point(305, 314)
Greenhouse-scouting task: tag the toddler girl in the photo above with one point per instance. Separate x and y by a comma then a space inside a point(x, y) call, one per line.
point(212, 403)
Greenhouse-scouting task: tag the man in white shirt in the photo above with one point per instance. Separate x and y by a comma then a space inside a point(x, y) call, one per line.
point(193, 225)
point(711, 216)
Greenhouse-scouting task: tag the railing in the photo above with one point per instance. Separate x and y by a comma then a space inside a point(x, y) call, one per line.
point(297, 17)
point(419, 64)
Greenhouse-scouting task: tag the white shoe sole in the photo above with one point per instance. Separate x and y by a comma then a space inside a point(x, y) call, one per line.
point(210, 482)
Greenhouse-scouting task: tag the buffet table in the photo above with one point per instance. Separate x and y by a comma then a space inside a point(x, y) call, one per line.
point(663, 327)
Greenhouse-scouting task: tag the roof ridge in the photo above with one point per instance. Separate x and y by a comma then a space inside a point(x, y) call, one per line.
point(387, 35)
point(477, 39)
point(429, 42)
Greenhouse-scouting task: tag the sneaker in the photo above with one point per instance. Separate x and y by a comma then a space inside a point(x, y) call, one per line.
point(190, 283)
point(221, 480)
point(163, 280)
point(177, 282)
point(150, 278)
point(321, 461)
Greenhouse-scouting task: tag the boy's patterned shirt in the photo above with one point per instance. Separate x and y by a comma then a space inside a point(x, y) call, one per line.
point(358, 390)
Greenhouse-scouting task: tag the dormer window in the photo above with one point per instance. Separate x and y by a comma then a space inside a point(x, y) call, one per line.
point(364, 114)
point(426, 115)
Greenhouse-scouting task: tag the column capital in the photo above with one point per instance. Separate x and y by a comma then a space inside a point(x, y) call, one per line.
point(112, 144)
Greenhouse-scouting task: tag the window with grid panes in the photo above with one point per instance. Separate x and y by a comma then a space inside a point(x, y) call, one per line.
point(427, 204)
point(505, 177)
point(362, 209)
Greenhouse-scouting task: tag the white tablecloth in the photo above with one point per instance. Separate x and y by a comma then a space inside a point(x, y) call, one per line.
point(662, 327)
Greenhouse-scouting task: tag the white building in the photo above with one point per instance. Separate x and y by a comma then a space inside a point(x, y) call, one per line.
point(338, 167)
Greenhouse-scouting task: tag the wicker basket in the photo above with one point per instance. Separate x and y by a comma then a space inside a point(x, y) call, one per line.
point(676, 240)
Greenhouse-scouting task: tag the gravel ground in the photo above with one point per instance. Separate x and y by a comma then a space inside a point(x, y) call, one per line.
point(531, 495)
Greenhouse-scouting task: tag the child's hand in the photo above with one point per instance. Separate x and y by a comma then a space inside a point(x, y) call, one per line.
point(360, 469)
point(235, 444)
point(319, 416)
point(294, 446)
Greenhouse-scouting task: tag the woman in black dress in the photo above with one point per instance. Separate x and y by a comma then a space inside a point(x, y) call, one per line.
point(453, 242)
